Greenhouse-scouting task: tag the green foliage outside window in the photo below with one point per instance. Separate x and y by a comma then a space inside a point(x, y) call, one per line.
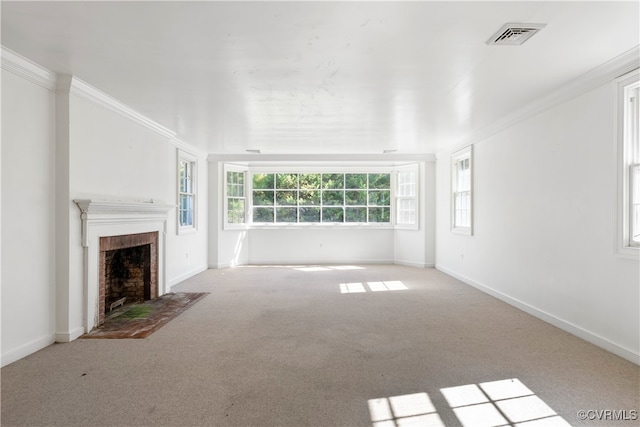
point(321, 198)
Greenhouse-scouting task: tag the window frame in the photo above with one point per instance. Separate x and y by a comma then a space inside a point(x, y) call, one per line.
point(324, 171)
point(252, 169)
point(415, 170)
point(192, 160)
point(461, 155)
point(627, 87)
point(234, 169)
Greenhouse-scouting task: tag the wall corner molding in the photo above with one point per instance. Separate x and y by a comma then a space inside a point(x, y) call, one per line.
point(28, 70)
point(603, 74)
point(89, 93)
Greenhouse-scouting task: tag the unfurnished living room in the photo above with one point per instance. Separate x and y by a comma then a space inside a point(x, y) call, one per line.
point(331, 213)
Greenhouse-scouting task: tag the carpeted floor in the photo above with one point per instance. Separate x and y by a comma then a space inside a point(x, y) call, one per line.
point(143, 319)
point(326, 346)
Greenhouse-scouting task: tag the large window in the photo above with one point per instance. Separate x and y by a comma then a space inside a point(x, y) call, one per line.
point(186, 192)
point(309, 198)
point(628, 94)
point(461, 186)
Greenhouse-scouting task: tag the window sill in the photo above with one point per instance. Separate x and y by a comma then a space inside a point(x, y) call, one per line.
point(629, 252)
point(465, 231)
point(312, 227)
point(187, 230)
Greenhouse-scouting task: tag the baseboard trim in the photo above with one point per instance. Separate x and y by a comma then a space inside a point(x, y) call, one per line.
point(69, 336)
point(321, 262)
point(549, 318)
point(26, 349)
point(187, 275)
point(414, 264)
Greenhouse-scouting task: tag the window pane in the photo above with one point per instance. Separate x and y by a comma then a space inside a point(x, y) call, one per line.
point(379, 180)
point(635, 204)
point(263, 214)
point(310, 181)
point(286, 214)
point(332, 197)
point(309, 197)
point(332, 180)
point(356, 180)
point(287, 198)
point(263, 180)
point(309, 214)
point(380, 198)
point(263, 198)
point(355, 197)
point(355, 214)
point(332, 214)
point(287, 180)
point(379, 214)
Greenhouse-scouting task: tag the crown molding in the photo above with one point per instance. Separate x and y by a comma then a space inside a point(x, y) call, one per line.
point(28, 70)
point(89, 93)
point(334, 159)
point(599, 76)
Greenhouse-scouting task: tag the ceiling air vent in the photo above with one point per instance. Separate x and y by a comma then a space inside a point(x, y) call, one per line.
point(514, 34)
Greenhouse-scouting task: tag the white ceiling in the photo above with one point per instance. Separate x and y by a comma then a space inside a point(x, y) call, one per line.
point(320, 77)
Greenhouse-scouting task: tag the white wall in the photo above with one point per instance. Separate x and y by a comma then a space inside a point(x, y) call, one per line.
point(544, 223)
point(417, 247)
point(28, 135)
point(113, 157)
point(322, 244)
point(58, 147)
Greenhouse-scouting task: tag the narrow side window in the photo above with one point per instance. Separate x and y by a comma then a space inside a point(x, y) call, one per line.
point(187, 194)
point(462, 191)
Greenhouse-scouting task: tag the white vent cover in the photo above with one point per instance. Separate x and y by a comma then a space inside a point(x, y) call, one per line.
point(514, 34)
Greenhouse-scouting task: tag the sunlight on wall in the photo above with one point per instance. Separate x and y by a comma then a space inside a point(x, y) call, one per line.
point(492, 404)
point(393, 285)
point(238, 249)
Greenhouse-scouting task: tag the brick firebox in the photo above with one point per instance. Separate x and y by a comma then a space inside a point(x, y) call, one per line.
point(134, 258)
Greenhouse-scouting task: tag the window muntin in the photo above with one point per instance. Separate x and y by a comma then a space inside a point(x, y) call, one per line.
point(407, 198)
point(461, 197)
point(289, 198)
point(186, 192)
point(236, 202)
point(631, 135)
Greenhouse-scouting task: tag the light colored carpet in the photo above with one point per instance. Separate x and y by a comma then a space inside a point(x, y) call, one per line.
point(282, 346)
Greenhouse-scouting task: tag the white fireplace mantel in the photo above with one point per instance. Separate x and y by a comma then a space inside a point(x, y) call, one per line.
point(103, 218)
point(102, 211)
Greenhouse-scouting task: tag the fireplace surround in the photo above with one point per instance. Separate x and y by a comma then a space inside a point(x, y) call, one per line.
point(109, 225)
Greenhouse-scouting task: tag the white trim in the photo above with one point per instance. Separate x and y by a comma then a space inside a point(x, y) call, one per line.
point(102, 218)
point(89, 93)
point(24, 350)
point(464, 153)
point(317, 261)
point(599, 76)
point(549, 318)
point(182, 277)
point(27, 69)
point(621, 241)
point(191, 158)
point(73, 334)
point(317, 160)
point(414, 264)
point(226, 225)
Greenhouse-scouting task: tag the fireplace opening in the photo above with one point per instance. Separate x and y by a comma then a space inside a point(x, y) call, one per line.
point(127, 276)
point(128, 271)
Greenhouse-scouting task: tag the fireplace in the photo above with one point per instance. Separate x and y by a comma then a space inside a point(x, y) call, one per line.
point(108, 226)
point(128, 270)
